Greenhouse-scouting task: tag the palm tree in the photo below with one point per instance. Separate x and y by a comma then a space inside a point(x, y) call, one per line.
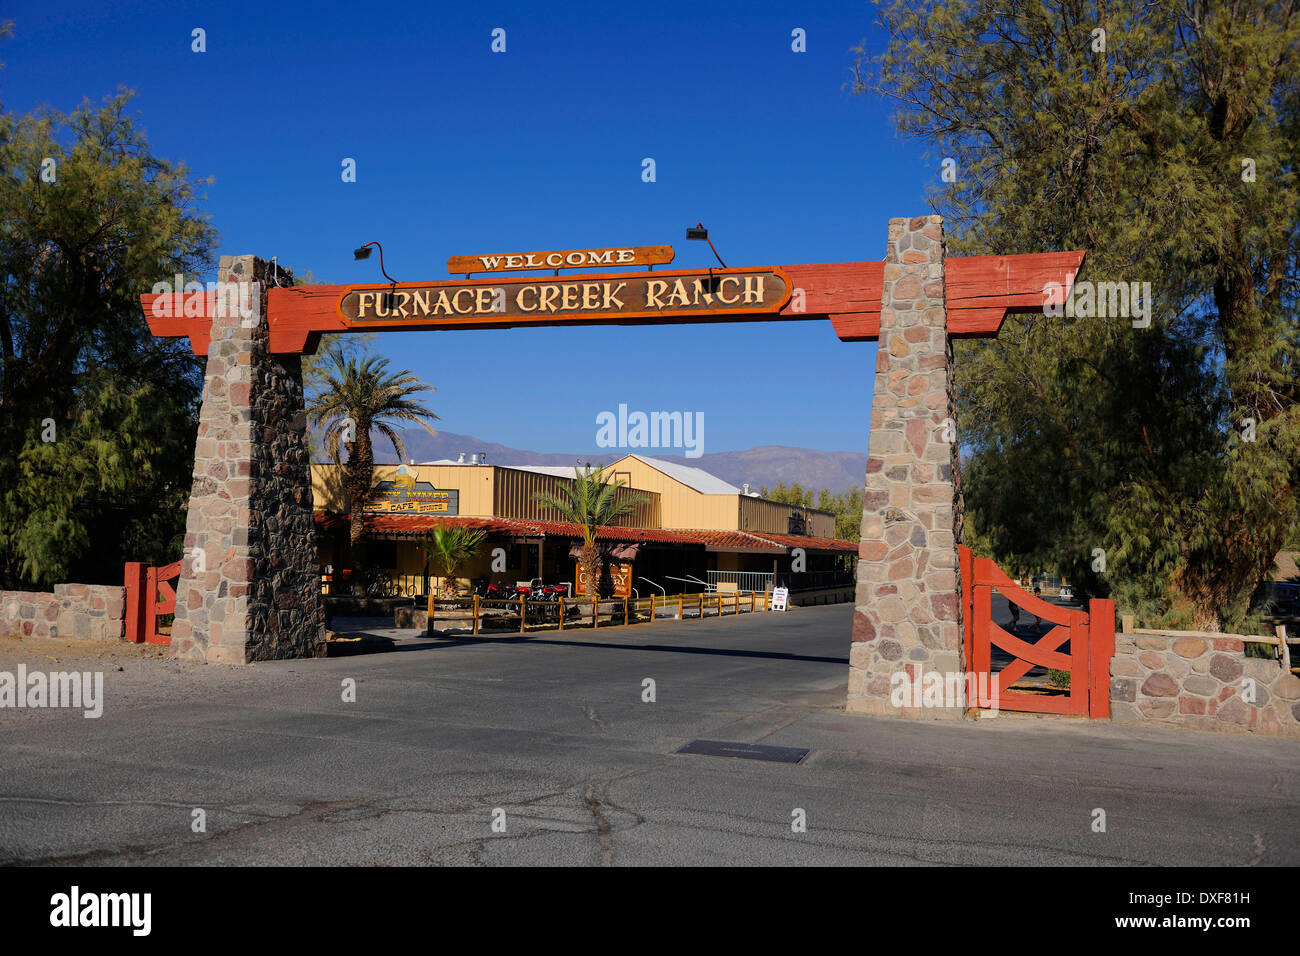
point(357, 394)
point(448, 549)
point(590, 501)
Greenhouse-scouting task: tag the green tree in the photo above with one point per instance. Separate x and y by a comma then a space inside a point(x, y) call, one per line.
point(845, 505)
point(357, 395)
point(97, 417)
point(592, 501)
point(449, 549)
point(1162, 138)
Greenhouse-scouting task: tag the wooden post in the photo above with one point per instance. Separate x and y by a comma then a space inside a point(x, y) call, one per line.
point(1126, 622)
point(428, 619)
point(595, 612)
point(966, 566)
point(1101, 648)
point(1283, 652)
point(737, 602)
point(751, 602)
point(625, 612)
point(680, 598)
point(561, 612)
point(523, 608)
point(475, 625)
point(135, 609)
point(150, 599)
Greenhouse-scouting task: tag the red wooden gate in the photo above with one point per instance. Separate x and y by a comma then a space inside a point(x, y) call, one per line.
point(149, 593)
point(1091, 636)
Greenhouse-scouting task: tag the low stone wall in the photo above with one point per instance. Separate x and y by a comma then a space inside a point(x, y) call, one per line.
point(1203, 684)
point(84, 612)
point(408, 616)
point(841, 595)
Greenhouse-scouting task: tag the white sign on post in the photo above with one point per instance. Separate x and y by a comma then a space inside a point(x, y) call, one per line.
point(780, 598)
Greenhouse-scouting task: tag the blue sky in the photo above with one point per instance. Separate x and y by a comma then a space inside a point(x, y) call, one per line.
point(460, 150)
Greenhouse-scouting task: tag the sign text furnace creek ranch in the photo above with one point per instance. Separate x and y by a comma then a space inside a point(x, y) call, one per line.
point(631, 295)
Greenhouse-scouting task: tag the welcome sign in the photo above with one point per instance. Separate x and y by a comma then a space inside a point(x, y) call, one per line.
point(635, 295)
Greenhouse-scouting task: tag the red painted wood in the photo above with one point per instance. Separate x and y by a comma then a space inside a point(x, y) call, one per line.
point(980, 292)
point(987, 572)
point(1041, 653)
point(982, 662)
point(1088, 661)
point(159, 598)
point(1101, 648)
point(151, 615)
point(136, 581)
point(964, 560)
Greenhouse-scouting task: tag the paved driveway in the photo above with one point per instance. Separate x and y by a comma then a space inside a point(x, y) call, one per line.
point(551, 735)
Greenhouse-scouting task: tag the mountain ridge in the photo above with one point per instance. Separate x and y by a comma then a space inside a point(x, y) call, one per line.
point(765, 465)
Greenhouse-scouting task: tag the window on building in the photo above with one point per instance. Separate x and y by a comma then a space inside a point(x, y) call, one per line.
point(383, 554)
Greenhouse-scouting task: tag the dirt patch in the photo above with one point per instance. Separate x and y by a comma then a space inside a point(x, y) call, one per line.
point(61, 650)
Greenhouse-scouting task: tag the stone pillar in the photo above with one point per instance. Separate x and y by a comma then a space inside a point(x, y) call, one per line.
point(255, 592)
point(907, 619)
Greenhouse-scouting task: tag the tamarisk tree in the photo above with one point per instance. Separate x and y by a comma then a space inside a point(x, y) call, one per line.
point(1153, 454)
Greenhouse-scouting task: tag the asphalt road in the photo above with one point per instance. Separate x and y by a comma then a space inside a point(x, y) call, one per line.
point(552, 732)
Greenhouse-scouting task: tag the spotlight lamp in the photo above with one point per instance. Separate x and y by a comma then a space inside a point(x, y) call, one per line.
point(698, 231)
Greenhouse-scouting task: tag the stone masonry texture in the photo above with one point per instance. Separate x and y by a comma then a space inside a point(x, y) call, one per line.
point(1202, 684)
point(86, 612)
point(907, 614)
point(256, 594)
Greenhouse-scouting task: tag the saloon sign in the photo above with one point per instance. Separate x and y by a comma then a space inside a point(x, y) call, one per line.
point(622, 295)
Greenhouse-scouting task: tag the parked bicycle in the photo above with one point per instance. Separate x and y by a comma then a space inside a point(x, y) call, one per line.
point(378, 584)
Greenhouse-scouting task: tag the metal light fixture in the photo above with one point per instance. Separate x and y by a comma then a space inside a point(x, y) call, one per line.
point(363, 252)
point(699, 232)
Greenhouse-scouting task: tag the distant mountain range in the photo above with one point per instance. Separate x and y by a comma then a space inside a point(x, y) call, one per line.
point(765, 465)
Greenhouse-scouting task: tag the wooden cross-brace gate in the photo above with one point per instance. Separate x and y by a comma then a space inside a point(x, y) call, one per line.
point(1090, 637)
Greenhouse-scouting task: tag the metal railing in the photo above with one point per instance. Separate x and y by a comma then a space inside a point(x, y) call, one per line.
point(740, 580)
point(814, 580)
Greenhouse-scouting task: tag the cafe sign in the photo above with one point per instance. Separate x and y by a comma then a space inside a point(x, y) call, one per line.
point(658, 295)
point(407, 495)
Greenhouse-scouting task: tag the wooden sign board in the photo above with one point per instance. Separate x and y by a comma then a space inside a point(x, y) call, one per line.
point(780, 599)
point(562, 259)
point(620, 575)
point(980, 291)
point(406, 495)
point(679, 295)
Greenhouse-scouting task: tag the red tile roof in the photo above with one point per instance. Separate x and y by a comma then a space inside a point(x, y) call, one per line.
point(741, 541)
point(381, 523)
point(810, 544)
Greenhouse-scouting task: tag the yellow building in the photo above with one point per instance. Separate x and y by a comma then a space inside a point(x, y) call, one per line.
point(692, 532)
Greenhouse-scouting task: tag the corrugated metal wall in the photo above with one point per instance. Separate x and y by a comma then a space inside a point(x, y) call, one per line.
point(515, 490)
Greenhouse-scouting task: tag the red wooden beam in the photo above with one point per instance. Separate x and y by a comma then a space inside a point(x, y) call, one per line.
point(980, 292)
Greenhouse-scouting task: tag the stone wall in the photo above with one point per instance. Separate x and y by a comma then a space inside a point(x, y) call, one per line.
point(908, 615)
point(256, 594)
point(1201, 683)
point(84, 612)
